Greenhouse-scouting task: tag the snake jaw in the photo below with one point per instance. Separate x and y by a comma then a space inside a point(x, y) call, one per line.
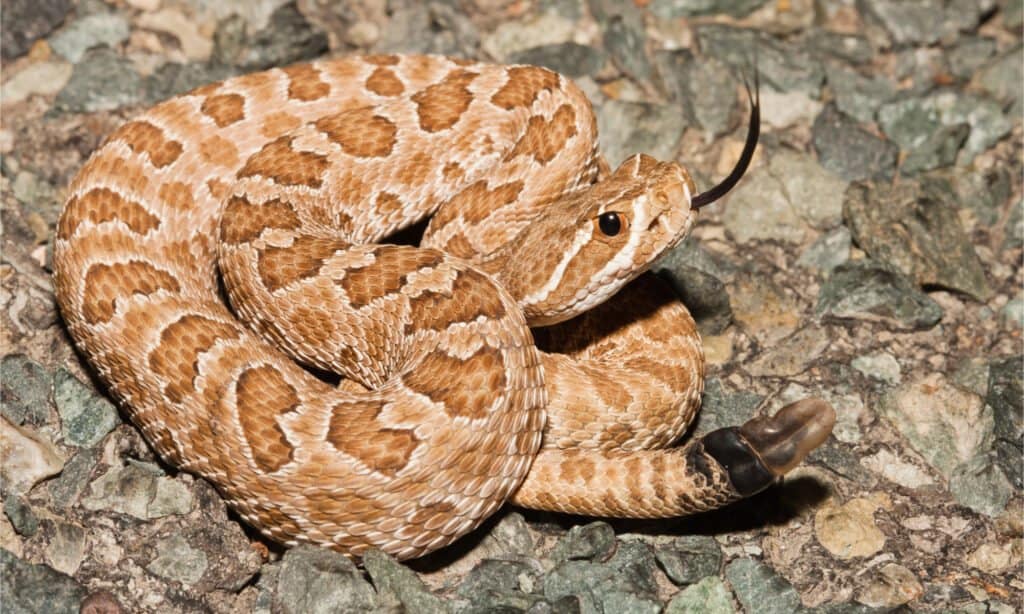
point(759, 453)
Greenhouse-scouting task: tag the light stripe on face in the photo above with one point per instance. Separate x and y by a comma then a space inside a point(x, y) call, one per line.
point(583, 236)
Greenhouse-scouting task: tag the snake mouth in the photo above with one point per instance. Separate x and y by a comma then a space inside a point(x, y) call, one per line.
point(761, 451)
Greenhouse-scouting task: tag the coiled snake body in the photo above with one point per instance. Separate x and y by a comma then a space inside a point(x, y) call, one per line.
point(281, 185)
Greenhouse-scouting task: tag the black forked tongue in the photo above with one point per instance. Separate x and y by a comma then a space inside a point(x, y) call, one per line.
point(761, 451)
point(753, 131)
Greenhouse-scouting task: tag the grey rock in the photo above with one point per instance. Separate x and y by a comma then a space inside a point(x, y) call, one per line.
point(138, 490)
point(858, 96)
point(624, 38)
point(910, 122)
point(689, 558)
point(707, 596)
point(86, 417)
point(983, 191)
point(705, 88)
point(315, 580)
point(629, 127)
point(828, 251)
point(938, 150)
point(493, 585)
point(24, 390)
point(815, 193)
point(850, 151)
point(28, 589)
point(1012, 312)
point(847, 47)
point(981, 485)
point(721, 408)
point(625, 583)
point(229, 40)
point(178, 560)
point(102, 81)
point(432, 27)
point(881, 366)
point(23, 518)
point(1005, 396)
point(670, 9)
point(25, 21)
point(872, 291)
point(571, 59)
point(71, 42)
point(173, 78)
point(915, 229)
point(704, 295)
point(65, 551)
point(760, 210)
point(908, 22)
point(68, 486)
point(590, 541)
point(1013, 15)
point(288, 38)
point(786, 66)
point(759, 589)
point(970, 54)
point(1002, 77)
point(400, 583)
point(1015, 226)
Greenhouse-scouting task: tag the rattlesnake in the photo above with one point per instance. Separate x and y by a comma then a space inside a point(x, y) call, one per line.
point(276, 188)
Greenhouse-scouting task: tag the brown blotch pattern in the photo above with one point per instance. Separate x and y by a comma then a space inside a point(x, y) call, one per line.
point(100, 205)
point(388, 203)
point(105, 283)
point(465, 387)
point(224, 109)
point(360, 132)
point(244, 221)
point(262, 394)
point(524, 84)
point(675, 376)
point(279, 161)
point(387, 273)
point(385, 450)
point(143, 137)
point(276, 124)
point(176, 357)
point(477, 201)
point(441, 105)
point(579, 467)
point(218, 151)
point(178, 195)
point(381, 60)
point(280, 266)
point(544, 139)
point(305, 84)
point(472, 295)
point(459, 246)
point(384, 82)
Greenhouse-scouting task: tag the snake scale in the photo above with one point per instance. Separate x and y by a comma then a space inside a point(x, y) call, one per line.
point(221, 249)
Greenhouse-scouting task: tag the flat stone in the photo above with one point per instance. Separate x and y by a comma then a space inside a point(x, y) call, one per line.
point(917, 230)
point(970, 54)
point(178, 560)
point(876, 292)
point(848, 530)
point(782, 65)
point(568, 58)
point(828, 251)
point(515, 36)
point(86, 417)
point(102, 81)
point(1005, 395)
point(319, 581)
point(983, 193)
point(939, 150)
point(688, 559)
point(21, 515)
point(24, 390)
point(704, 295)
point(448, 31)
point(945, 439)
point(814, 192)
point(629, 127)
point(850, 151)
point(759, 589)
point(759, 210)
point(721, 408)
point(39, 79)
point(1000, 76)
point(400, 583)
point(287, 39)
point(896, 470)
point(625, 39)
point(856, 95)
point(793, 355)
point(27, 589)
point(72, 41)
point(704, 87)
point(981, 485)
point(909, 22)
point(73, 479)
point(671, 9)
point(849, 47)
point(25, 21)
point(785, 109)
point(195, 45)
point(763, 308)
point(892, 586)
point(996, 557)
point(595, 540)
point(173, 78)
point(623, 583)
point(66, 549)
point(26, 458)
point(495, 584)
point(709, 596)
point(138, 491)
point(881, 366)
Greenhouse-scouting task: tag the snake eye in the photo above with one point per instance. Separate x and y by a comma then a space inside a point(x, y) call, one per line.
point(610, 223)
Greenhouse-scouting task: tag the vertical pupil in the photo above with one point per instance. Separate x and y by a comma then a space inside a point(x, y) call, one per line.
point(609, 223)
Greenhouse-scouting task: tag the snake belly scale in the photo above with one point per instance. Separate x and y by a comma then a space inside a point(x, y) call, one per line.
point(277, 188)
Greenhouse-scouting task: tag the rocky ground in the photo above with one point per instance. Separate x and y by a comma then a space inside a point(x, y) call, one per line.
point(871, 256)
